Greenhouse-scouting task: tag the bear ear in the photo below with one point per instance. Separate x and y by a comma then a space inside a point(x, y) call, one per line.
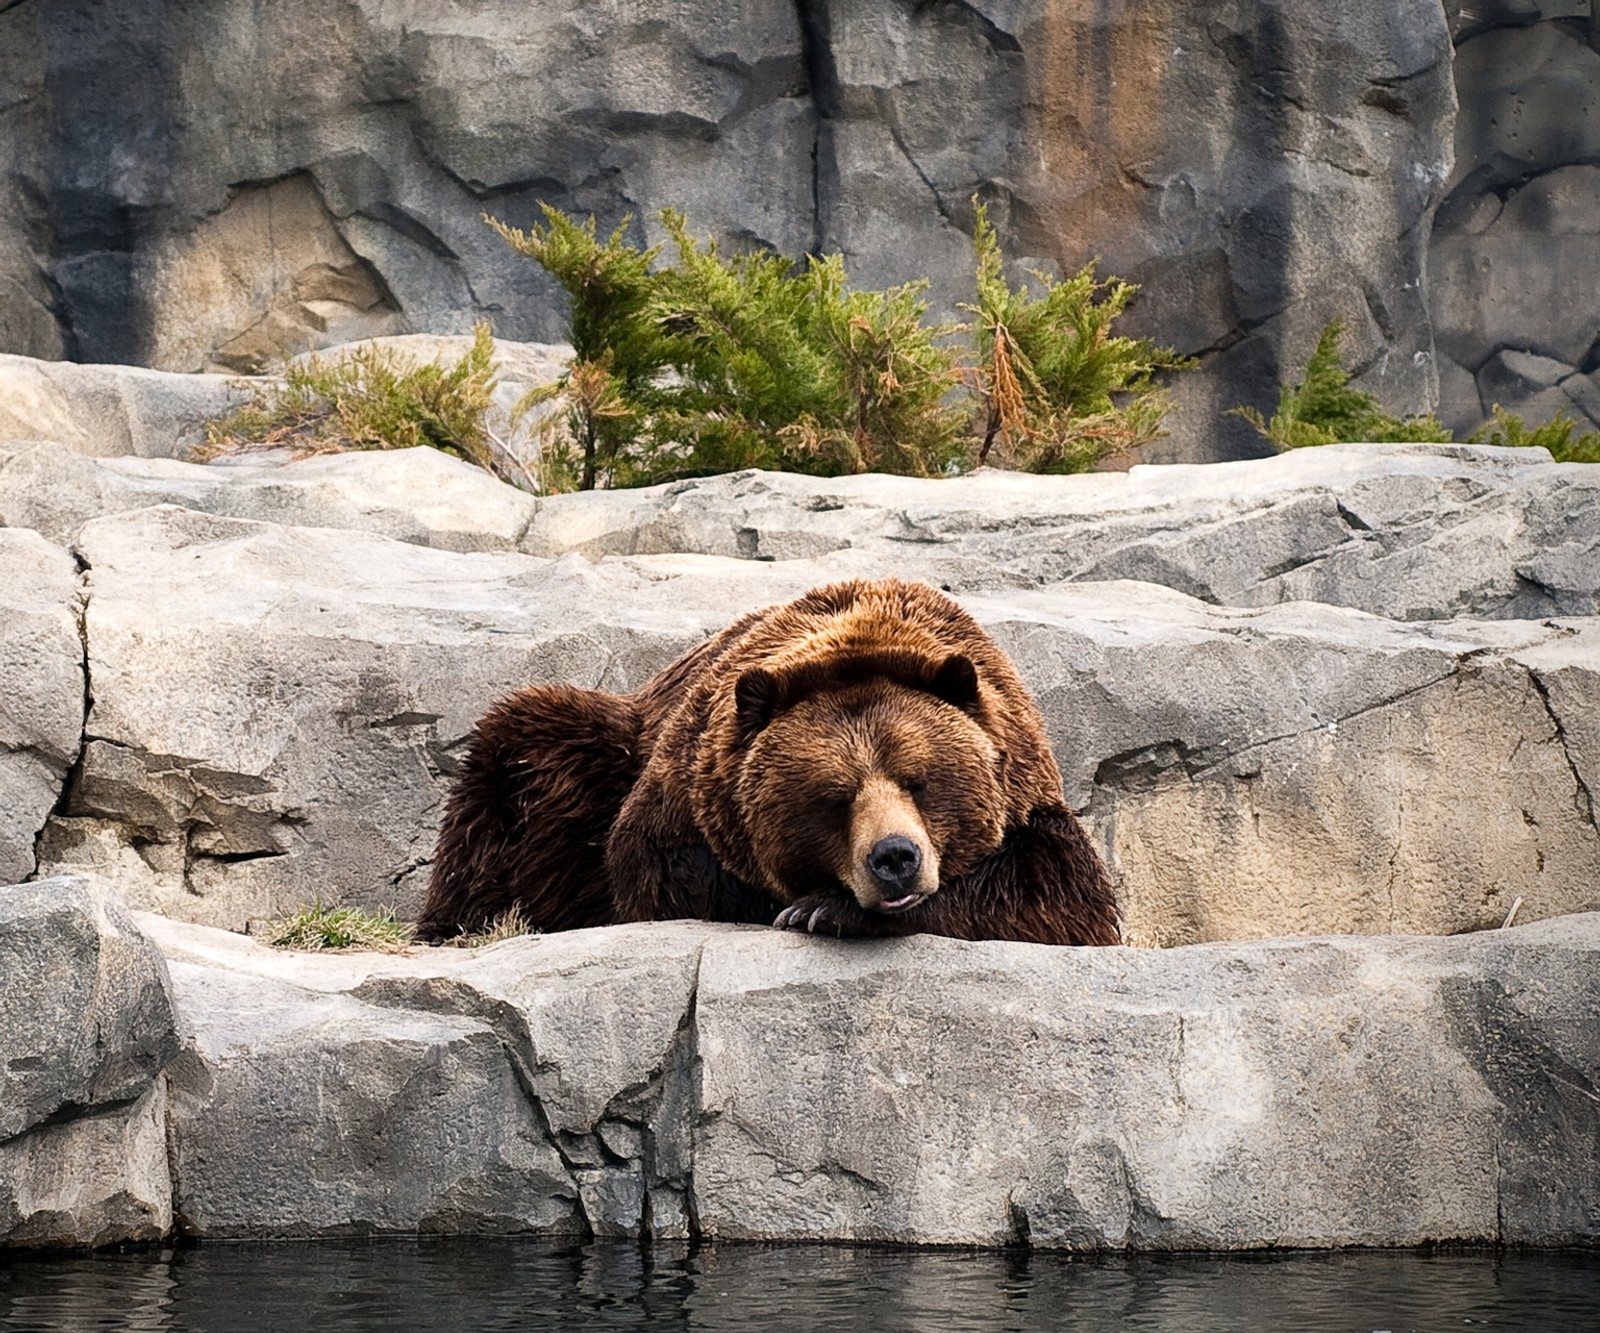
point(755, 700)
point(956, 682)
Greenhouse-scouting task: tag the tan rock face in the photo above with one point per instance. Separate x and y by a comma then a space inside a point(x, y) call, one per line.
point(267, 277)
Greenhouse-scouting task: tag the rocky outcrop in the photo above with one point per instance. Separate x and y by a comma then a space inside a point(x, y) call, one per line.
point(687, 1079)
point(205, 189)
point(277, 707)
point(86, 1029)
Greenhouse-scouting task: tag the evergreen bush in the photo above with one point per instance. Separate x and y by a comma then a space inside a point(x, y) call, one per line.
point(1058, 392)
point(711, 363)
point(1324, 409)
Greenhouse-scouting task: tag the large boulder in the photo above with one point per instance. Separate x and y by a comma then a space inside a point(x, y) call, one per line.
point(1260, 169)
point(42, 701)
point(542, 1085)
point(277, 711)
point(735, 1082)
point(86, 1027)
point(1290, 1093)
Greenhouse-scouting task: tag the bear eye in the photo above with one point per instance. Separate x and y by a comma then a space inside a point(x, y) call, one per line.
point(915, 786)
point(839, 799)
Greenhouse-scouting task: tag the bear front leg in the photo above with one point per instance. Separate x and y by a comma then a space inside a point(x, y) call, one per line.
point(661, 868)
point(1043, 885)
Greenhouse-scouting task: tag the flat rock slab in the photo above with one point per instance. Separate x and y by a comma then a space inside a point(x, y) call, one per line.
point(415, 495)
point(86, 1028)
point(277, 711)
point(1410, 532)
point(738, 1082)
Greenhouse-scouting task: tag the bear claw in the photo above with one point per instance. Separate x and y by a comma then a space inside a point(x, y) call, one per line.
point(827, 912)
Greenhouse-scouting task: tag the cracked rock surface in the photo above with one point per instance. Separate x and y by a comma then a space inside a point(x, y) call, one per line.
point(87, 1027)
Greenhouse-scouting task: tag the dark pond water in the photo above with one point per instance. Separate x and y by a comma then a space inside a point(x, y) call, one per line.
point(495, 1284)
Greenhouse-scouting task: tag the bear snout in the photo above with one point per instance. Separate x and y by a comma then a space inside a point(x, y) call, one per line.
point(894, 862)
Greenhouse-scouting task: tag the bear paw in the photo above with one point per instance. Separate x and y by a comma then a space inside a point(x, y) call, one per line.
point(823, 914)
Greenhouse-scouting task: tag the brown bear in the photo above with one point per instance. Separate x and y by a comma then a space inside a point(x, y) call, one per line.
point(861, 761)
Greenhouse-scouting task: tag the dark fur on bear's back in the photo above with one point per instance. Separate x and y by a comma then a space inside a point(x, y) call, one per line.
point(739, 783)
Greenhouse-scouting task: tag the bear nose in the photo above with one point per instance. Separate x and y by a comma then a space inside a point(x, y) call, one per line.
point(895, 860)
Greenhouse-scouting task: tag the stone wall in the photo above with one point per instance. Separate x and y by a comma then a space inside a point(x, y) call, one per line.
point(206, 186)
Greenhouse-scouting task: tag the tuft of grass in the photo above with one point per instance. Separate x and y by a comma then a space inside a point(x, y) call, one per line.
point(315, 926)
point(507, 926)
point(373, 398)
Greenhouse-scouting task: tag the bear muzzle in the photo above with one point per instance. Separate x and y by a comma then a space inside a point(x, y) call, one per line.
point(895, 863)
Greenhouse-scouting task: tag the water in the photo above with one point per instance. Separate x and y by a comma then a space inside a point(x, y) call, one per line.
point(506, 1284)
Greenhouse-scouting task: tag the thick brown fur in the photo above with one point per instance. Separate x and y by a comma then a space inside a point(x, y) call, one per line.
point(751, 779)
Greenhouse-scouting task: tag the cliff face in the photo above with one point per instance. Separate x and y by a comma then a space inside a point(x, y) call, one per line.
point(202, 186)
point(1516, 250)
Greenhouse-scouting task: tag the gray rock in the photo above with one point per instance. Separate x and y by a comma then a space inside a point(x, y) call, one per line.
point(1533, 103)
point(304, 1114)
point(107, 411)
point(582, 1087)
point(1259, 170)
point(42, 704)
point(86, 1027)
point(1584, 393)
point(1460, 409)
point(1519, 281)
point(414, 495)
point(85, 1021)
point(1292, 1093)
point(95, 1180)
point(277, 710)
point(1311, 1092)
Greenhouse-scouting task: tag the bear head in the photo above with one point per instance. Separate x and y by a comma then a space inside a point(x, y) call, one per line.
point(873, 772)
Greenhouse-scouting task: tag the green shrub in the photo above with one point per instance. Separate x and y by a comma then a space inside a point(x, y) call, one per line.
point(1324, 409)
point(1506, 429)
point(613, 385)
point(1057, 391)
point(370, 398)
point(712, 363)
point(792, 369)
point(319, 927)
